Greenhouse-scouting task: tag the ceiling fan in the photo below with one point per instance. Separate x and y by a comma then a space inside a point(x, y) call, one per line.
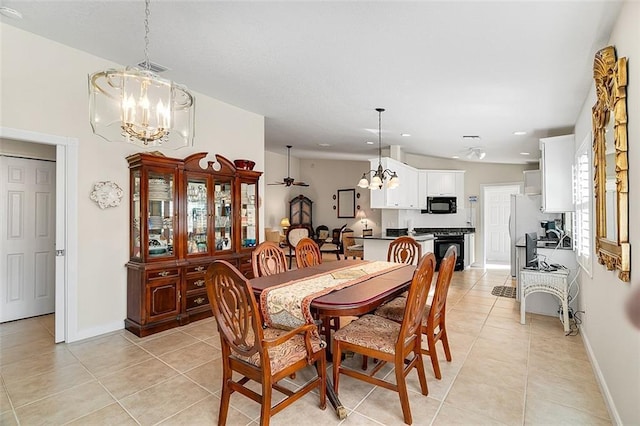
point(288, 181)
point(475, 153)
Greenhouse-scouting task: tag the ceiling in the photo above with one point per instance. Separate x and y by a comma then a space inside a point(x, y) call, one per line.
point(317, 70)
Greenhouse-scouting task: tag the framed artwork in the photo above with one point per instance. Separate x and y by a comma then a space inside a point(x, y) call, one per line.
point(346, 203)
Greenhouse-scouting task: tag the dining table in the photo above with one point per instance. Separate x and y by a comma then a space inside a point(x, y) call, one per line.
point(367, 292)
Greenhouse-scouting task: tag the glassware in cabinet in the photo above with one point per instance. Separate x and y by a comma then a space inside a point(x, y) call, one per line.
point(135, 215)
point(248, 212)
point(223, 214)
point(197, 215)
point(160, 214)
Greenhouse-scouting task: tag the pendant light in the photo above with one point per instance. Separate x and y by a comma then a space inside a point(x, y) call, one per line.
point(380, 174)
point(138, 106)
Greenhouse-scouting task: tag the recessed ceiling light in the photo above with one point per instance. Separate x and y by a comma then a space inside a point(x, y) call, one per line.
point(405, 134)
point(524, 153)
point(369, 143)
point(10, 13)
point(520, 133)
point(456, 156)
point(324, 144)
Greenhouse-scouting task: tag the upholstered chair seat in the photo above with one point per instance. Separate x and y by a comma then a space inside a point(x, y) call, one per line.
point(281, 356)
point(373, 331)
point(394, 310)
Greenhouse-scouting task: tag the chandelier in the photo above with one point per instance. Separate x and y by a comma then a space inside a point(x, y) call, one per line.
point(138, 106)
point(380, 174)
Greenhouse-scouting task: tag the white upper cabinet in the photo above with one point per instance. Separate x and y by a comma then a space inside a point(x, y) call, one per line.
point(441, 183)
point(422, 189)
point(405, 196)
point(556, 160)
point(532, 182)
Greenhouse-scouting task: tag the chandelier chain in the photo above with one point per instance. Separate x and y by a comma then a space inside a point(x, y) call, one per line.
point(380, 132)
point(147, 12)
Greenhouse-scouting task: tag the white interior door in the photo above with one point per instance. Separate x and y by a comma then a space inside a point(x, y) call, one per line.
point(498, 241)
point(27, 219)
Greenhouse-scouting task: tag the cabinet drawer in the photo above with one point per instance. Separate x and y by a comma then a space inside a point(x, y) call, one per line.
point(163, 273)
point(196, 269)
point(196, 283)
point(197, 300)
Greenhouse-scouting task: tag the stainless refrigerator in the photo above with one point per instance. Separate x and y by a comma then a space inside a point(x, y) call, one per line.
point(525, 217)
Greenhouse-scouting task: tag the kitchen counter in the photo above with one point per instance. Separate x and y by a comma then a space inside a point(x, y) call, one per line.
point(377, 246)
point(417, 237)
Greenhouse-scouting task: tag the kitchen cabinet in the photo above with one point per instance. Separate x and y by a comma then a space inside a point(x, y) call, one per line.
point(183, 217)
point(556, 161)
point(405, 196)
point(422, 189)
point(441, 183)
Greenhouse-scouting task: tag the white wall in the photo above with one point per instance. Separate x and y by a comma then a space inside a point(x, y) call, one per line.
point(44, 89)
point(611, 340)
point(326, 178)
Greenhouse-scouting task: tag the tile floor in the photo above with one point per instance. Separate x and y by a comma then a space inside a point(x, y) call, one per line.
point(502, 373)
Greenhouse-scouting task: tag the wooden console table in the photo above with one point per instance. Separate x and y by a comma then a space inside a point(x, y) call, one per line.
point(555, 283)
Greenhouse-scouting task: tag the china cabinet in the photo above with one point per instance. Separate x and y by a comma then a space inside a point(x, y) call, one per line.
point(183, 217)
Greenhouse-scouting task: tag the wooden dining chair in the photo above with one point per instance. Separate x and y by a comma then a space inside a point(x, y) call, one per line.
point(264, 355)
point(268, 259)
point(350, 248)
point(307, 253)
point(433, 323)
point(388, 341)
point(404, 249)
point(335, 245)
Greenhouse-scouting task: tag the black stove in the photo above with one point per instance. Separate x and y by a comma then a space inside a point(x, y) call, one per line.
point(445, 237)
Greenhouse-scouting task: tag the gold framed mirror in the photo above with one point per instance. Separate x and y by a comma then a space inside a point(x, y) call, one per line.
point(610, 160)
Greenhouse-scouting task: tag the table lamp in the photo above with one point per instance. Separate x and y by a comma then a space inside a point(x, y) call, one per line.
point(285, 224)
point(363, 218)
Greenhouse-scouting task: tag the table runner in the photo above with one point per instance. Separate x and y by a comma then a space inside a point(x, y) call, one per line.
point(288, 305)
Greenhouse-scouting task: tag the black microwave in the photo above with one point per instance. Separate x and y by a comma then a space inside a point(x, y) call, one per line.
point(441, 205)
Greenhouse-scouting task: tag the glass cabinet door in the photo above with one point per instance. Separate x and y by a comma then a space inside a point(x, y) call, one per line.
point(197, 215)
point(160, 211)
point(223, 215)
point(135, 215)
point(248, 215)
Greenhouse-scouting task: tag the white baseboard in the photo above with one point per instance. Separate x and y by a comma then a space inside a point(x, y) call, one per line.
point(95, 331)
point(611, 406)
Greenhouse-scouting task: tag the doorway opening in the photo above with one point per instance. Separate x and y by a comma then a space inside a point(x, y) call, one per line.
point(66, 226)
point(496, 199)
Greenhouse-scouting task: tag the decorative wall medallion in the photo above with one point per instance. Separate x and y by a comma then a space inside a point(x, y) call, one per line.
point(107, 194)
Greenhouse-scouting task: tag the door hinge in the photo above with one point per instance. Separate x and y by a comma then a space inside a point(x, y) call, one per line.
point(59, 252)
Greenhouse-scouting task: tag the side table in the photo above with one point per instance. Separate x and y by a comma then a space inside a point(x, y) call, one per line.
point(555, 283)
